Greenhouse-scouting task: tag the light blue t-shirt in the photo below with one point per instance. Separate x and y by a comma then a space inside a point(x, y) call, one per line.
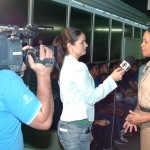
point(17, 104)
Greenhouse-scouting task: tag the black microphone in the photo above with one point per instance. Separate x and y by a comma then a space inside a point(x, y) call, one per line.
point(127, 63)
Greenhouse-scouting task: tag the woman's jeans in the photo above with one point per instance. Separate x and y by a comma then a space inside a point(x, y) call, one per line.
point(73, 136)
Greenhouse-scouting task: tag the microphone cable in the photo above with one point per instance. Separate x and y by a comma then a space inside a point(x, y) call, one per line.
point(113, 119)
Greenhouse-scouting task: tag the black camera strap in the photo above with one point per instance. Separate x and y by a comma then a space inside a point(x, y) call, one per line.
point(48, 62)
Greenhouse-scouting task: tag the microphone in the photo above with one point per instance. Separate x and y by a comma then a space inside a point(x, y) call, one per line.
point(127, 63)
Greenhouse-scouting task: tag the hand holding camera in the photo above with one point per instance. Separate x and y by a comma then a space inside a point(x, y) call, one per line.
point(40, 61)
point(48, 62)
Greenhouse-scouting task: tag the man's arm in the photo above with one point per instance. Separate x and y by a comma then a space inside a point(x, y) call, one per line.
point(43, 119)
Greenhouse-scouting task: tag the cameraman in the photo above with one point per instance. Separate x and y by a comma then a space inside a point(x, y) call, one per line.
point(18, 104)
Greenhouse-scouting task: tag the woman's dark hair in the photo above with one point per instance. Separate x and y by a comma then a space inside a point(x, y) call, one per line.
point(69, 35)
point(60, 53)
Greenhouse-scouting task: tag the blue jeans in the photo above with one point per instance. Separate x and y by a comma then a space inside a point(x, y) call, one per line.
point(73, 136)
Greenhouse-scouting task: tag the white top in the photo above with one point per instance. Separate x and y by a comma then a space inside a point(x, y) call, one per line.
point(78, 92)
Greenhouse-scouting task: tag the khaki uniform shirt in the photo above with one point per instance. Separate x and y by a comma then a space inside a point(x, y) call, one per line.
point(144, 101)
point(144, 87)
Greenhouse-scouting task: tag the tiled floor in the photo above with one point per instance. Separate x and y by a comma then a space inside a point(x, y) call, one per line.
point(132, 144)
point(48, 140)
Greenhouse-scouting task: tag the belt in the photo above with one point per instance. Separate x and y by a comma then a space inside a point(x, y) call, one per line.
point(85, 130)
point(145, 109)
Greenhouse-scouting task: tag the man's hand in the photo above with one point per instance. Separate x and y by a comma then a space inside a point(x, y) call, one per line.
point(39, 68)
point(138, 118)
point(43, 119)
point(128, 124)
point(101, 122)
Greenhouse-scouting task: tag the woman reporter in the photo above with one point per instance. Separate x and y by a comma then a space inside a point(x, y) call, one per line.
point(78, 93)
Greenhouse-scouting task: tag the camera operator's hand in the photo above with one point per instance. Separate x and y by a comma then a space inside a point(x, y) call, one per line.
point(39, 68)
point(43, 119)
point(117, 74)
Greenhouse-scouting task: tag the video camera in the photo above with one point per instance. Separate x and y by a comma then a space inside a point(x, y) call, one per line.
point(11, 54)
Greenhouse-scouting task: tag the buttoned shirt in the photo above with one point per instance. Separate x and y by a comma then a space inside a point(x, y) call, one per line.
point(144, 87)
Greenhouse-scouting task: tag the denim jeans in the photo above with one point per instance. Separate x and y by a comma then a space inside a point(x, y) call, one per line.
point(73, 136)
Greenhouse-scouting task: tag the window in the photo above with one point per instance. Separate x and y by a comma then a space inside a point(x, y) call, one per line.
point(101, 31)
point(50, 14)
point(128, 31)
point(14, 12)
point(137, 33)
point(116, 38)
point(82, 20)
